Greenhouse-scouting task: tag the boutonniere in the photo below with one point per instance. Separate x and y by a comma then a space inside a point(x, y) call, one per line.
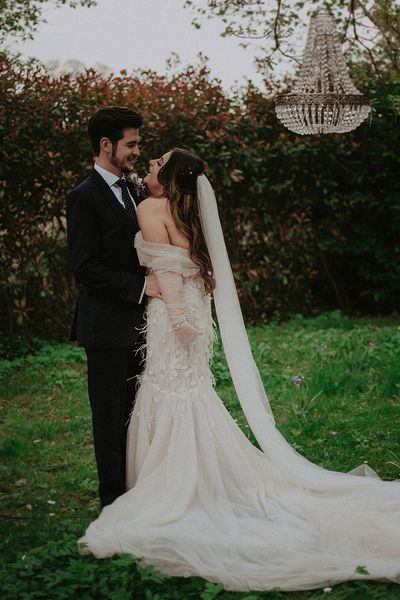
point(137, 182)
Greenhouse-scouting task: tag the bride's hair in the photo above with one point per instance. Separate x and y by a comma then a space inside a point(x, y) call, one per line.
point(179, 179)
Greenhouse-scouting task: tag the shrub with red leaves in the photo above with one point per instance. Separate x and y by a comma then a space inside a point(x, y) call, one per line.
point(311, 222)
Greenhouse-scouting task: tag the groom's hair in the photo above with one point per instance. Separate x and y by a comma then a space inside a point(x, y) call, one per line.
point(110, 122)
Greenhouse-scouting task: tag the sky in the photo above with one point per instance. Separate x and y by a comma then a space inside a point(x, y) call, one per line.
point(132, 34)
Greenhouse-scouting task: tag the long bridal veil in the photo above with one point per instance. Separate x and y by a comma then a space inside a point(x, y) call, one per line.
point(244, 372)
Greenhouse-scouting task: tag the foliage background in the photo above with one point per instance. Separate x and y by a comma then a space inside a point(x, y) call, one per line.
point(311, 222)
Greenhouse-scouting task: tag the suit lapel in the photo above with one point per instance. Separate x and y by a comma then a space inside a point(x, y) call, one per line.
point(126, 222)
point(136, 200)
point(137, 196)
point(132, 191)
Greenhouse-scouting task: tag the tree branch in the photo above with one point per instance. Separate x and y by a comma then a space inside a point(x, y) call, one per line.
point(357, 37)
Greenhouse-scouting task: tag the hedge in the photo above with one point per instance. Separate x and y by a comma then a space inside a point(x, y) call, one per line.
point(312, 223)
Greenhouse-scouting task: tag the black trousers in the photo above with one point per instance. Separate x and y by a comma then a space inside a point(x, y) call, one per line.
point(112, 383)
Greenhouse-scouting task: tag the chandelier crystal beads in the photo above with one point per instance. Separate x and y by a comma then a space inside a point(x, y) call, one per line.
point(324, 99)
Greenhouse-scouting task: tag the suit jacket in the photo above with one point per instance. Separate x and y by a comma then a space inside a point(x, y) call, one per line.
point(105, 266)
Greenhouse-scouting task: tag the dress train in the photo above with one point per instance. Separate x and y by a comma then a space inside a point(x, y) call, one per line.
point(202, 500)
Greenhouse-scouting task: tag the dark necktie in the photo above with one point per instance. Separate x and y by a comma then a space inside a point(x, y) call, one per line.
point(127, 200)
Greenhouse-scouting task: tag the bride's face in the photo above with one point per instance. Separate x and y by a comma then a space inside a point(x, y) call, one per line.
point(151, 179)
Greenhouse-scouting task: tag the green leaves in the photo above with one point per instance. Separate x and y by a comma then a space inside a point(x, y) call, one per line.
point(368, 30)
point(49, 491)
point(211, 591)
point(310, 223)
point(362, 570)
point(21, 19)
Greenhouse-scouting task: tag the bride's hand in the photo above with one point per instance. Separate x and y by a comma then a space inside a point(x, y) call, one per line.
point(185, 332)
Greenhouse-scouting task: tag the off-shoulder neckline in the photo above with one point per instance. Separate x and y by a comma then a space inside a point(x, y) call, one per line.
point(165, 246)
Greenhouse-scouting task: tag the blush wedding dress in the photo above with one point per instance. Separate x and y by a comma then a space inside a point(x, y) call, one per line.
point(202, 500)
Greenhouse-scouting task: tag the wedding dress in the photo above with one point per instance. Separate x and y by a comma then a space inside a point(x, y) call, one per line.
point(203, 501)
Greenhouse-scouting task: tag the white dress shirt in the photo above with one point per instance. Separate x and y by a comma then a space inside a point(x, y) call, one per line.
point(111, 180)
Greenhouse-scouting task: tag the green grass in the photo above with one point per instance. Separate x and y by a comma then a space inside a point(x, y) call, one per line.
point(346, 412)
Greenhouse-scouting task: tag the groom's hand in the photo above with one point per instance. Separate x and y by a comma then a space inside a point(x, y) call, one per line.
point(152, 288)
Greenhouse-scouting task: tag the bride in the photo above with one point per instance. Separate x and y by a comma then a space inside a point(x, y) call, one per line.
point(201, 499)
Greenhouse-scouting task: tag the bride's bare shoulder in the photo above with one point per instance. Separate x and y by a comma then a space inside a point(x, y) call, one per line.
point(152, 217)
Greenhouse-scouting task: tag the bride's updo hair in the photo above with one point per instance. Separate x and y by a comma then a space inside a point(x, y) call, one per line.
point(179, 179)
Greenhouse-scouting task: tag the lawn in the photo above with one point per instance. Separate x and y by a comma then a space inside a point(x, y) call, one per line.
point(333, 383)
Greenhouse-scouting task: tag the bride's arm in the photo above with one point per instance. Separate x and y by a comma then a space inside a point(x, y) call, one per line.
point(152, 216)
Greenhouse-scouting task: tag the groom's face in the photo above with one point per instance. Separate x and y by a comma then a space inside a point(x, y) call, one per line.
point(126, 151)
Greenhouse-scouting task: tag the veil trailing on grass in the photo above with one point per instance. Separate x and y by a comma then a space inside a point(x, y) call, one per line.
point(243, 370)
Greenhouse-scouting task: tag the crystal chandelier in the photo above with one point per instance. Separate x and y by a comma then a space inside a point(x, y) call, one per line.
point(324, 99)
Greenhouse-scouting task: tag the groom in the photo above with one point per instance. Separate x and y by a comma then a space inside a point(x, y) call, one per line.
point(102, 223)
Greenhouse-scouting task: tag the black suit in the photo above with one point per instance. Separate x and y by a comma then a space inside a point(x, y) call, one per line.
point(108, 317)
